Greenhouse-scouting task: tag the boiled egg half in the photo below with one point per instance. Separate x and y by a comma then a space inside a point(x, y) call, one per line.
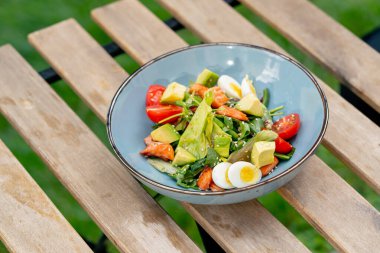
point(220, 175)
point(247, 86)
point(242, 174)
point(230, 86)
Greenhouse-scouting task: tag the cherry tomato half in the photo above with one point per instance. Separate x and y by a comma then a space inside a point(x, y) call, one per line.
point(154, 94)
point(282, 146)
point(287, 126)
point(160, 112)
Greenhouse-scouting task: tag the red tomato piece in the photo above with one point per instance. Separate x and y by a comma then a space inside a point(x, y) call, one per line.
point(158, 113)
point(282, 146)
point(288, 126)
point(154, 94)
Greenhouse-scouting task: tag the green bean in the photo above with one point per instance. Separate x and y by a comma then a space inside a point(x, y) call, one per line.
point(233, 134)
point(287, 156)
point(276, 109)
point(218, 122)
point(266, 97)
point(276, 114)
point(281, 156)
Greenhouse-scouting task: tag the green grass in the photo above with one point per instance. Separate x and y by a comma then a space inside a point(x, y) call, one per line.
point(19, 18)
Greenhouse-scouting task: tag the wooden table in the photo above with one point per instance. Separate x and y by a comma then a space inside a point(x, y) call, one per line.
point(131, 219)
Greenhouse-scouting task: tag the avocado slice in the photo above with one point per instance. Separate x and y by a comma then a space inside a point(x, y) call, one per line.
point(165, 134)
point(207, 78)
point(174, 92)
point(263, 153)
point(250, 104)
point(183, 157)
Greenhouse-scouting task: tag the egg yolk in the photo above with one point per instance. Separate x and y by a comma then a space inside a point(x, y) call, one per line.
point(236, 88)
point(246, 174)
point(227, 179)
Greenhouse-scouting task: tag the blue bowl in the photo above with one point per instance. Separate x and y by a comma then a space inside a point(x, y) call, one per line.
point(289, 83)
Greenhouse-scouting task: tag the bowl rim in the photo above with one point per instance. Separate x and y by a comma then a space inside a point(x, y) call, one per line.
point(141, 177)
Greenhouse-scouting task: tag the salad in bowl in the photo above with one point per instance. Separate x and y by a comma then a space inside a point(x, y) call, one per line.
point(217, 123)
point(216, 134)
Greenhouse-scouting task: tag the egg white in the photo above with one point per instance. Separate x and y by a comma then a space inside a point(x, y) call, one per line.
point(247, 86)
point(230, 86)
point(242, 174)
point(220, 175)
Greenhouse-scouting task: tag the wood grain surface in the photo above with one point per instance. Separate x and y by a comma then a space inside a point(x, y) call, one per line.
point(29, 221)
point(241, 228)
point(217, 20)
point(116, 202)
point(344, 54)
point(92, 94)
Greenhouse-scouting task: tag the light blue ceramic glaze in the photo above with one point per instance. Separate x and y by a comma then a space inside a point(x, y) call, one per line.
point(289, 84)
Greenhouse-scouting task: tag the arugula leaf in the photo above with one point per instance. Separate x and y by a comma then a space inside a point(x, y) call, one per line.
point(212, 158)
point(256, 125)
point(181, 125)
point(183, 179)
point(188, 184)
point(196, 168)
point(186, 176)
point(228, 122)
point(243, 129)
point(287, 156)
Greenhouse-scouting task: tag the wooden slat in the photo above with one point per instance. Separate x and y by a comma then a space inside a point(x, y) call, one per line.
point(120, 33)
point(238, 237)
point(216, 21)
point(332, 215)
point(108, 73)
point(29, 221)
point(349, 58)
point(83, 164)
